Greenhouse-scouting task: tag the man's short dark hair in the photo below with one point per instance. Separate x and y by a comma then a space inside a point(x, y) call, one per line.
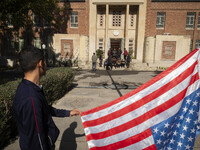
point(29, 58)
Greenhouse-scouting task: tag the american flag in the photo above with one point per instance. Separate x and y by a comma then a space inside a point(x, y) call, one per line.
point(161, 114)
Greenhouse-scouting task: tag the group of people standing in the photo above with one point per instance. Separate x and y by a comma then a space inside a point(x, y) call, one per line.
point(113, 53)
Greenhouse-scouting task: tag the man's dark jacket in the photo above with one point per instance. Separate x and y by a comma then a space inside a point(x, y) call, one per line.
point(36, 127)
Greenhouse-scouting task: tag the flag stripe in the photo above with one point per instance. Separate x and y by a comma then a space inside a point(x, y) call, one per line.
point(140, 119)
point(137, 112)
point(142, 101)
point(124, 143)
point(140, 128)
point(185, 59)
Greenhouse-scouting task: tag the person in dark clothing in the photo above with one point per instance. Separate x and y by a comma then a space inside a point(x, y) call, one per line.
point(128, 60)
point(100, 60)
point(36, 128)
point(109, 63)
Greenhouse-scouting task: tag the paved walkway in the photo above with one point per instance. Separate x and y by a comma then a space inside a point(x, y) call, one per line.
point(92, 89)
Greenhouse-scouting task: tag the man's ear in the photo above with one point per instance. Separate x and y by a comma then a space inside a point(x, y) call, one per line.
point(40, 63)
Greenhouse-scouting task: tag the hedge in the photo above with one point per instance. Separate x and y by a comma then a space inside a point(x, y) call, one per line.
point(55, 83)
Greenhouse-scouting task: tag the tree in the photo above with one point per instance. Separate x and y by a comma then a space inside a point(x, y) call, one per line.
point(16, 15)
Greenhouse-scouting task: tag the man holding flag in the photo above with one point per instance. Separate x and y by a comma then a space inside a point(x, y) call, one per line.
point(161, 114)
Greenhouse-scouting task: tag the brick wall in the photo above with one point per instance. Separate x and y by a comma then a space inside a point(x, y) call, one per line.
point(175, 21)
point(83, 18)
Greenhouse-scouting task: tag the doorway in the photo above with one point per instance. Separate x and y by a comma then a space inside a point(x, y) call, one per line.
point(115, 43)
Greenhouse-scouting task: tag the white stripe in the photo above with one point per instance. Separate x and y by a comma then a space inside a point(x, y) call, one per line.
point(144, 92)
point(141, 127)
point(140, 111)
point(140, 145)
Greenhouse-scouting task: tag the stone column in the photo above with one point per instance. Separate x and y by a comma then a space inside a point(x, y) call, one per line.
point(106, 31)
point(92, 29)
point(141, 32)
point(126, 27)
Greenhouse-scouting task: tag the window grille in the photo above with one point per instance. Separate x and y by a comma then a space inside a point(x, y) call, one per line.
point(74, 19)
point(160, 20)
point(190, 21)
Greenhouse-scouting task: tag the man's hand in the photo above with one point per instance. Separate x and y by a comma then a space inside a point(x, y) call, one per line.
point(74, 112)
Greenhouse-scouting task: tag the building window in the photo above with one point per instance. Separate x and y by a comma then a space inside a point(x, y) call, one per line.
point(197, 44)
point(37, 43)
point(101, 44)
point(21, 44)
point(36, 20)
point(198, 25)
point(130, 44)
point(116, 18)
point(168, 51)
point(190, 21)
point(74, 19)
point(67, 49)
point(160, 23)
point(132, 19)
point(101, 19)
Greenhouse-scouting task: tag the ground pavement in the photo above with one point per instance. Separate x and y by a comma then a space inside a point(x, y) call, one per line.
point(92, 89)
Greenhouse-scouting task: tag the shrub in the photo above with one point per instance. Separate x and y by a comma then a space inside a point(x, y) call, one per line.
point(56, 83)
point(99, 52)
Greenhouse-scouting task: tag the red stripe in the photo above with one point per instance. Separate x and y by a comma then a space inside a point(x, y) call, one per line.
point(149, 83)
point(150, 114)
point(35, 115)
point(152, 147)
point(142, 101)
point(127, 142)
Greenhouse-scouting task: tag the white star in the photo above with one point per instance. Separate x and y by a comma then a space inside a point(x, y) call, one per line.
point(180, 144)
point(187, 146)
point(188, 120)
point(192, 130)
point(195, 122)
point(155, 130)
point(195, 103)
point(182, 136)
point(185, 128)
point(167, 125)
point(181, 117)
point(178, 125)
point(190, 139)
point(191, 111)
point(169, 148)
point(188, 101)
point(159, 141)
point(172, 141)
point(175, 133)
point(163, 133)
point(198, 94)
point(185, 109)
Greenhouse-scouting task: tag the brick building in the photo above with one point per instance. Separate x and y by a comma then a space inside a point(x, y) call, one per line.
point(63, 42)
point(172, 30)
point(159, 32)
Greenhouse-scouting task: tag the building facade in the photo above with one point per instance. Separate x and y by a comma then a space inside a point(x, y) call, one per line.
point(172, 30)
point(117, 24)
point(158, 32)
